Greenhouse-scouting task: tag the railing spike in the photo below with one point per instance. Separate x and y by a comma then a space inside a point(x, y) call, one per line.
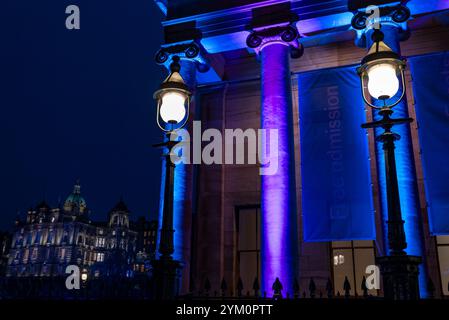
point(347, 287)
point(364, 287)
point(256, 287)
point(277, 289)
point(296, 289)
point(239, 287)
point(329, 288)
point(312, 288)
point(223, 287)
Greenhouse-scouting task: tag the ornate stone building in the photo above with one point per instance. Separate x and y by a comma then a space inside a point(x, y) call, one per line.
point(50, 239)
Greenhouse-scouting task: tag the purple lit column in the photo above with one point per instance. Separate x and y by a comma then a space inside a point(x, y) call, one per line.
point(278, 198)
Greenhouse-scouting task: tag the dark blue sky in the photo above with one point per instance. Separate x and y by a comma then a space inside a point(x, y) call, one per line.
point(78, 104)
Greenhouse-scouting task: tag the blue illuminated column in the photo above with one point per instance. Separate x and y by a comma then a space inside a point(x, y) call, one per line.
point(406, 172)
point(279, 242)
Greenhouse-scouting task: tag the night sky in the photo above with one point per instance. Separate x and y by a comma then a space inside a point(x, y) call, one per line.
point(77, 104)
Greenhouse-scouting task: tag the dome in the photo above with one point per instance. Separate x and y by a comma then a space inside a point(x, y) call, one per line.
point(75, 202)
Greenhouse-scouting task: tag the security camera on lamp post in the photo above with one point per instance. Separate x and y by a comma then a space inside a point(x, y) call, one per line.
point(382, 75)
point(173, 101)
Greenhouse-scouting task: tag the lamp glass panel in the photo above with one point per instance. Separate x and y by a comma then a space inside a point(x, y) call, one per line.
point(382, 80)
point(173, 108)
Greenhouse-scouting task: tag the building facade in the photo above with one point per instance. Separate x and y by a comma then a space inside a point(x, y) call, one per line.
point(5, 244)
point(226, 216)
point(50, 239)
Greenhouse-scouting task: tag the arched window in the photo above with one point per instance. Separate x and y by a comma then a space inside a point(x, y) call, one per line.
point(50, 237)
point(37, 240)
point(65, 237)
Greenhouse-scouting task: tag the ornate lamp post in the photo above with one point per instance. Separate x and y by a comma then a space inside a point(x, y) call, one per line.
point(173, 100)
point(382, 74)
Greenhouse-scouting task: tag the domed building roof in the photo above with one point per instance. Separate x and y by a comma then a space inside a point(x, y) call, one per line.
point(75, 202)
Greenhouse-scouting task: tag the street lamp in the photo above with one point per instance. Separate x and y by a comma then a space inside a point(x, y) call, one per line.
point(84, 276)
point(173, 101)
point(382, 74)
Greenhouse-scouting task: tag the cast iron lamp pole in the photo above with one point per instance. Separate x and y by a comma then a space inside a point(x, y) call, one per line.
point(379, 73)
point(173, 109)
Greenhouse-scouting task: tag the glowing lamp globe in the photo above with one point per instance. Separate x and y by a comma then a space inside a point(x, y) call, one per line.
point(172, 109)
point(382, 81)
point(382, 74)
point(173, 100)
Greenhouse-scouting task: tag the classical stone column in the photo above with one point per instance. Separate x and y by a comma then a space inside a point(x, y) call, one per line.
point(279, 247)
point(406, 172)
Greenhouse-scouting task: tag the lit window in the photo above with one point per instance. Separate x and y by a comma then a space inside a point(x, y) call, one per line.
point(34, 254)
point(101, 242)
point(50, 237)
point(100, 257)
point(339, 259)
point(350, 259)
point(25, 256)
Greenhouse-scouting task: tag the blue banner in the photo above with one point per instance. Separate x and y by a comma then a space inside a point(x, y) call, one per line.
point(336, 185)
point(431, 91)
